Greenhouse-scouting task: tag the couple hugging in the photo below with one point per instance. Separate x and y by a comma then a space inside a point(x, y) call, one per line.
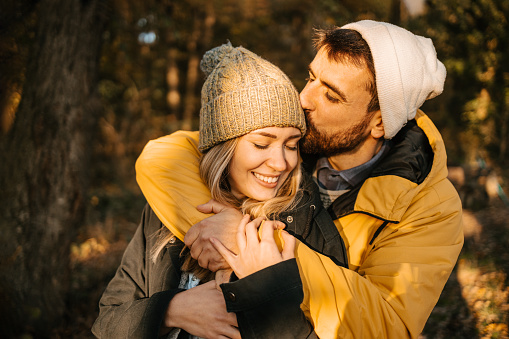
point(321, 215)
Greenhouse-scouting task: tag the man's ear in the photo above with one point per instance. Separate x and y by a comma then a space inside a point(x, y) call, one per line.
point(377, 125)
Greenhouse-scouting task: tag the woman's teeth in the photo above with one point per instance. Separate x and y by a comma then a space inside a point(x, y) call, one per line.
point(269, 180)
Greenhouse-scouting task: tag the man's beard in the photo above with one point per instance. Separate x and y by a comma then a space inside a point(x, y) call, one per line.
point(342, 141)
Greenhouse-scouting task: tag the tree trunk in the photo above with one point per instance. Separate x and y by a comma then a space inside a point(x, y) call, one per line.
point(44, 165)
point(202, 34)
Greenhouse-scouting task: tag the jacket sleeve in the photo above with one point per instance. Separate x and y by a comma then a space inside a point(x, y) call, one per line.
point(160, 168)
point(127, 308)
point(267, 303)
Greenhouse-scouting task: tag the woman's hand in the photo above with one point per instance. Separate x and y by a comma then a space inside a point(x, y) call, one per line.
point(256, 253)
point(201, 311)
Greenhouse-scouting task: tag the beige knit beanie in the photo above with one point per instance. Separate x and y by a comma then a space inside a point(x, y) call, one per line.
point(243, 93)
point(407, 71)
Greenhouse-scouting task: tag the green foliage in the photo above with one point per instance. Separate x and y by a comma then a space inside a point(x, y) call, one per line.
point(470, 38)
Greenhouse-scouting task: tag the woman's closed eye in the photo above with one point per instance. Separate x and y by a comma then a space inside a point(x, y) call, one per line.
point(259, 146)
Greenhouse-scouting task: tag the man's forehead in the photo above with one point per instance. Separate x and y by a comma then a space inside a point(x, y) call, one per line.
point(327, 68)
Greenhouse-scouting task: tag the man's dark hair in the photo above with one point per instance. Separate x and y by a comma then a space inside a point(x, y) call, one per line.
point(348, 46)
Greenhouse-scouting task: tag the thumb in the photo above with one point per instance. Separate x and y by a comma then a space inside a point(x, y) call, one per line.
point(211, 206)
point(222, 276)
point(289, 247)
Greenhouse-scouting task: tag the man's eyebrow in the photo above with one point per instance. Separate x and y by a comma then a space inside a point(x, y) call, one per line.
point(330, 86)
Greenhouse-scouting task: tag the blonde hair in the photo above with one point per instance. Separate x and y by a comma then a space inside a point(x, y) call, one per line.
point(214, 171)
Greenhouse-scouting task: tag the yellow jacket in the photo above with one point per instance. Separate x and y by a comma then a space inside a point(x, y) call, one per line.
point(402, 238)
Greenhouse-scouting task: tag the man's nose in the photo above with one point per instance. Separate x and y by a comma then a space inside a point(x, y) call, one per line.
point(306, 98)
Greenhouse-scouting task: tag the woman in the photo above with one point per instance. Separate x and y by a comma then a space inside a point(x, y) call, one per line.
point(250, 125)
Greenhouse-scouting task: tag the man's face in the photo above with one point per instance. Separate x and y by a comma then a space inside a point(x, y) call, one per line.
point(335, 101)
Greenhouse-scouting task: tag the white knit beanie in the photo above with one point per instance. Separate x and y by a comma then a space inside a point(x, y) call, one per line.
point(407, 71)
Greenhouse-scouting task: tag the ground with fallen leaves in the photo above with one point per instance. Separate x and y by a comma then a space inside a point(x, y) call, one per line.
point(475, 301)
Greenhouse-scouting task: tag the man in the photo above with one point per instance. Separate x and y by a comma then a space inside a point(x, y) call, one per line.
point(380, 164)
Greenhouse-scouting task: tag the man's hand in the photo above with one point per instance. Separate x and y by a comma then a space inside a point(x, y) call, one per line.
point(222, 226)
point(201, 311)
point(223, 276)
point(256, 253)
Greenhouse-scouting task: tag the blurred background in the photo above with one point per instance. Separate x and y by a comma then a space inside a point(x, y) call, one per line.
point(85, 84)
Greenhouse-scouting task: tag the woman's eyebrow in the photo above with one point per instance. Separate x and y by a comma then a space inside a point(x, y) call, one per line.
point(265, 134)
point(295, 136)
point(273, 136)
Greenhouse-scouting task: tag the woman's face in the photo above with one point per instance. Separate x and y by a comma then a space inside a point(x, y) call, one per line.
point(262, 161)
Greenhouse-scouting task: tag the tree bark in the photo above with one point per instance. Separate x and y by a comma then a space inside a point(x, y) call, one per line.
point(201, 35)
point(44, 165)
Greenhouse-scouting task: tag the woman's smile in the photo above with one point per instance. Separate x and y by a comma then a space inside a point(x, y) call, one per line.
point(269, 180)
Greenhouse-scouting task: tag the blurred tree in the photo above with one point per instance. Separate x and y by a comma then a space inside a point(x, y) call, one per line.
point(16, 34)
point(469, 37)
point(44, 162)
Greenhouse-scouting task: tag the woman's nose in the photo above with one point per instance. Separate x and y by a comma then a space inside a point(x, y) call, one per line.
point(277, 160)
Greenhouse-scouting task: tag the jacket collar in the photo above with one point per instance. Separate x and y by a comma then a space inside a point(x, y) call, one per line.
point(417, 153)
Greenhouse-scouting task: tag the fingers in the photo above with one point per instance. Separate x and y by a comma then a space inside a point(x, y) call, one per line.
point(268, 230)
point(252, 232)
point(209, 258)
point(241, 232)
point(231, 333)
point(195, 251)
point(289, 247)
point(192, 235)
point(222, 277)
point(225, 253)
point(216, 265)
point(279, 225)
point(233, 319)
point(211, 206)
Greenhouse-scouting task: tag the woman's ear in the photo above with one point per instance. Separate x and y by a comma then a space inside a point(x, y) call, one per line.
point(377, 125)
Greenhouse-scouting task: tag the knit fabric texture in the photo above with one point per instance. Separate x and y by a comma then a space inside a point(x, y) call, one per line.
point(407, 71)
point(242, 93)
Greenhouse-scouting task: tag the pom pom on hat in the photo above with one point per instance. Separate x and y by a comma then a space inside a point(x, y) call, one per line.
point(211, 59)
point(407, 71)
